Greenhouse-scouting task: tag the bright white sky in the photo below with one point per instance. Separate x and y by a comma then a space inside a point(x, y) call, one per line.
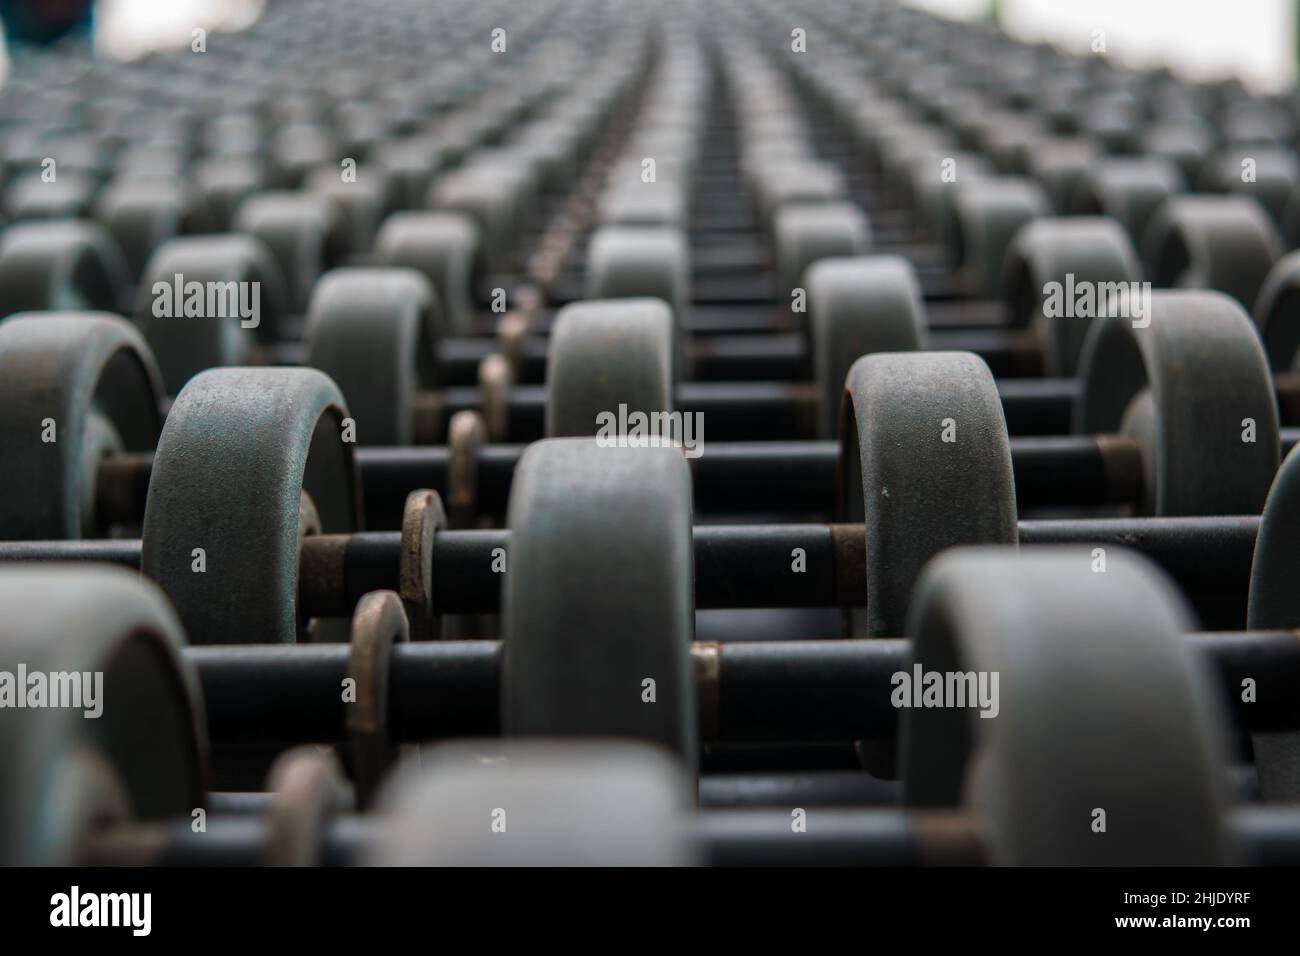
point(1255, 39)
point(129, 28)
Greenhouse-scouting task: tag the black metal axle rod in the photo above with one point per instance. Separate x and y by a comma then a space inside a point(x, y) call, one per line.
point(764, 477)
point(792, 478)
point(776, 406)
point(757, 350)
point(784, 692)
point(769, 408)
point(748, 411)
point(749, 566)
point(877, 836)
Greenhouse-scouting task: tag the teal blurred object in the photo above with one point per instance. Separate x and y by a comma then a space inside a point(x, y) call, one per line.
point(45, 21)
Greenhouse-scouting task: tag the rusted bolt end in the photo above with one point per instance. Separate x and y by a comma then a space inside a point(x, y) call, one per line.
point(706, 659)
point(494, 381)
point(378, 624)
point(422, 518)
point(307, 789)
point(512, 331)
point(466, 436)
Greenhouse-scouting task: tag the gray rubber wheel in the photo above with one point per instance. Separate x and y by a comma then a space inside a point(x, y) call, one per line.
point(1100, 707)
point(783, 182)
point(63, 266)
point(1186, 143)
point(518, 173)
point(143, 214)
point(155, 160)
point(1208, 374)
point(634, 262)
point(1141, 424)
point(553, 145)
point(409, 162)
point(443, 246)
point(538, 803)
point(1226, 243)
point(1128, 189)
point(641, 204)
point(1060, 164)
point(1275, 604)
point(226, 269)
point(304, 232)
point(239, 449)
point(491, 196)
point(989, 212)
point(1277, 312)
point(92, 377)
point(803, 234)
point(225, 182)
point(935, 198)
point(361, 201)
point(375, 332)
point(297, 148)
point(1010, 139)
point(1275, 174)
point(925, 461)
point(141, 758)
point(604, 355)
point(1089, 254)
point(599, 596)
point(859, 306)
point(31, 197)
point(236, 131)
